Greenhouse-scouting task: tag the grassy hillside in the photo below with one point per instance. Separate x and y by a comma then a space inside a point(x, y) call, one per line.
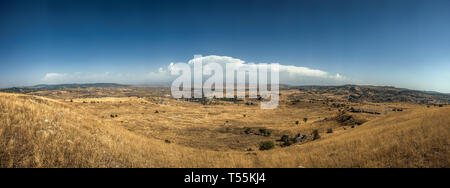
point(42, 132)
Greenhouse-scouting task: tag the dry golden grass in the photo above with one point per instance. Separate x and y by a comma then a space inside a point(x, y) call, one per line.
point(43, 132)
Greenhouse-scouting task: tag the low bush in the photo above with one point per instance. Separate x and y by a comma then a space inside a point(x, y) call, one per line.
point(315, 135)
point(247, 130)
point(329, 131)
point(284, 138)
point(266, 145)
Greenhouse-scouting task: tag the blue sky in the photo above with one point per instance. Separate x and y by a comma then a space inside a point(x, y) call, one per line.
point(394, 42)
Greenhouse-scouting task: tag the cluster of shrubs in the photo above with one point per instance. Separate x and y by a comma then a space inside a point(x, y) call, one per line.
point(304, 120)
point(335, 105)
point(363, 111)
point(235, 99)
point(247, 130)
point(265, 132)
point(113, 115)
point(287, 141)
point(261, 131)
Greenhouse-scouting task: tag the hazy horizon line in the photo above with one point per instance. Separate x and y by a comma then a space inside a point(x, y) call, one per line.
point(168, 85)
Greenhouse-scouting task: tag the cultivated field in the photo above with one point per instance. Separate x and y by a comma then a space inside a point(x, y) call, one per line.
point(145, 127)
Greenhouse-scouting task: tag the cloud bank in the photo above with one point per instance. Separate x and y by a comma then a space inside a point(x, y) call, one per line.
point(289, 74)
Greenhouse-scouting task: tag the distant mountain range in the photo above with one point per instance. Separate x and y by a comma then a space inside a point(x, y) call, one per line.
point(354, 93)
point(60, 86)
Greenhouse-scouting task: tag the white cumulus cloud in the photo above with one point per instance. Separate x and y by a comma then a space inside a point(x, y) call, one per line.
point(289, 74)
